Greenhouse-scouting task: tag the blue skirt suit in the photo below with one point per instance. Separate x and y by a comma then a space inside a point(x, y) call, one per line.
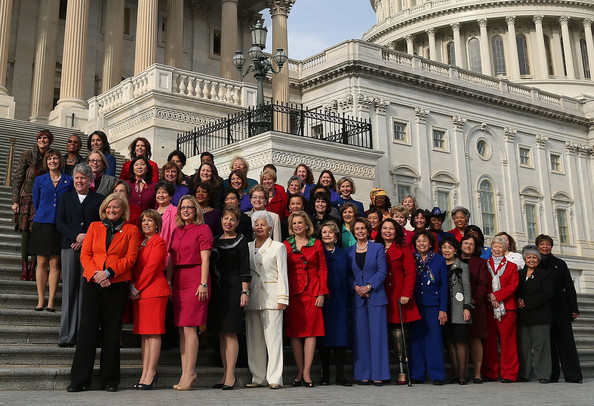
point(431, 294)
point(370, 325)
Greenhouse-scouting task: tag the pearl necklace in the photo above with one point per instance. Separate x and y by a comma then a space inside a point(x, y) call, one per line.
point(56, 180)
point(365, 247)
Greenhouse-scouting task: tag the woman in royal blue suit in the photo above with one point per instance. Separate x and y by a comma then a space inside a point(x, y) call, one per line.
point(431, 295)
point(370, 327)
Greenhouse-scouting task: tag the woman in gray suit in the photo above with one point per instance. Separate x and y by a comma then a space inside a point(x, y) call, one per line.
point(103, 183)
point(269, 296)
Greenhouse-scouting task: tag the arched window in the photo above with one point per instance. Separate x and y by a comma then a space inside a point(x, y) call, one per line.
point(585, 60)
point(498, 55)
point(487, 207)
point(450, 48)
point(523, 54)
point(474, 55)
point(547, 43)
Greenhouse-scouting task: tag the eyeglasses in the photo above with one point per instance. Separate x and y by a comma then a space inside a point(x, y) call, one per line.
point(258, 198)
point(72, 142)
point(184, 208)
point(95, 161)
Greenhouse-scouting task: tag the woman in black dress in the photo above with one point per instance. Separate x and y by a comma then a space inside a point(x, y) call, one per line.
point(231, 276)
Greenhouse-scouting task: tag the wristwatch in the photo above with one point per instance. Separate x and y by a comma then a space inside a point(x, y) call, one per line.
point(369, 286)
point(204, 285)
point(245, 292)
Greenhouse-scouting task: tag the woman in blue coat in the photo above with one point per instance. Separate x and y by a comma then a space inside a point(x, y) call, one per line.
point(431, 294)
point(336, 306)
point(367, 261)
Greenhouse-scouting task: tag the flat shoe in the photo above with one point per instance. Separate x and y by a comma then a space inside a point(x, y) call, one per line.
point(543, 380)
point(255, 385)
point(364, 383)
point(438, 382)
point(275, 386)
point(378, 383)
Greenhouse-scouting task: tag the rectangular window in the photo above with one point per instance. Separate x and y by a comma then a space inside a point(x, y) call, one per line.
point(488, 213)
point(400, 132)
point(555, 162)
point(443, 202)
point(317, 131)
point(439, 139)
point(401, 191)
point(525, 158)
point(531, 221)
point(127, 20)
point(562, 225)
point(216, 42)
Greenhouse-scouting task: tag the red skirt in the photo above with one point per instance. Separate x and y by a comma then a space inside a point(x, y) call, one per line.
point(303, 317)
point(149, 315)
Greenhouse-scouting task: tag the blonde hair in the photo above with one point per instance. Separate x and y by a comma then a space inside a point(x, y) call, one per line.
point(309, 228)
point(199, 216)
point(268, 173)
point(400, 209)
point(123, 201)
point(101, 155)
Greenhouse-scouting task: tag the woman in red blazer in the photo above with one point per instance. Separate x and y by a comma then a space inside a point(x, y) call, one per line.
point(108, 254)
point(501, 317)
point(399, 285)
point(150, 292)
point(308, 285)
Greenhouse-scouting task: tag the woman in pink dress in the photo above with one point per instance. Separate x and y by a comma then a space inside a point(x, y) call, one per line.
point(188, 267)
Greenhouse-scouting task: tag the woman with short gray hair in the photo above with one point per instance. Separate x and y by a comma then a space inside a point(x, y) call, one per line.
point(460, 217)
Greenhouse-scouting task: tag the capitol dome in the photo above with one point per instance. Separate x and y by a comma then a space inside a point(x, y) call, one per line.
point(542, 43)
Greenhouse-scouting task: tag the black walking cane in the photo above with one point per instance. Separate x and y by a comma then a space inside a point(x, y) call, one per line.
point(404, 345)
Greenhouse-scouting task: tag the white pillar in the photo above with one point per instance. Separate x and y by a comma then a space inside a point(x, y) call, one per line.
point(229, 38)
point(174, 38)
point(113, 44)
point(589, 45)
point(457, 44)
point(513, 48)
point(567, 51)
point(44, 70)
point(485, 52)
point(279, 11)
point(432, 49)
point(542, 70)
point(146, 35)
point(7, 104)
point(409, 44)
point(423, 153)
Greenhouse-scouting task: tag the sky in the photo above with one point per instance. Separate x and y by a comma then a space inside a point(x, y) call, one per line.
point(315, 25)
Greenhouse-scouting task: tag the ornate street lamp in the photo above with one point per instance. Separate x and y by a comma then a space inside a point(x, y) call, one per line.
point(261, 64)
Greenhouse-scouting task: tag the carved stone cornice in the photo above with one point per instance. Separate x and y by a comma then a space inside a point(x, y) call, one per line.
point(346, 103)
point(421, 115)
point(282, 7)
point(458, 123)
point(541, 140)
point(364, 103)
point(293, 159)
point(509, 134)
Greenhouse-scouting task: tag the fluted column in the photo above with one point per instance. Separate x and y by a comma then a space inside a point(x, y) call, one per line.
point(44, 70)
point(432, 49)
point(5, 17)
point(589, 45)
point(146, 35)
point(567, 51)
point(279, 11)
point(174, 36)
point(113, 43)
point(457, 44)
point(410, 48)
point(485, 52)
point(542, 69)
point(229, 38)
point(513, 47)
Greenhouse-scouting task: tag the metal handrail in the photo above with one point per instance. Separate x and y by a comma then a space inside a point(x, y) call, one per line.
point(8, 176)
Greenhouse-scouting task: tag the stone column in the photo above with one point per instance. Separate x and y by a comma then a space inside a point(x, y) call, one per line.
point(547, 225)
point(113, 44)
point(460, 161)
point(423, 153)
point(410, 47)
point(73, 68)
point(485, 51)
point(589, 45)
point(432, 49)
point(511, 185)
point(7, 104)
point(174, 35)
point(44, 70)
point(513, 47)
point(146, 35)
point(457, 44)
point(542, 69)
point(229, 38)
point(567, 51)
point(279, 11)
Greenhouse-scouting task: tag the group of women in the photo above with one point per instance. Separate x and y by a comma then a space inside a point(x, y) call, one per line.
point(341, 277)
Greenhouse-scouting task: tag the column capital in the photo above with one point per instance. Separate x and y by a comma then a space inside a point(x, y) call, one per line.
point(510, 20)
point(482, 22)
point(421, 115)
point(541, 140)
point(458, 122)
point(409, 38)
point(564, 20)
point(538, 19)
point(455, 26)
point(587, 23)
point(509, 134)
point(571, 147)
point(430, 32)
point(282, 7)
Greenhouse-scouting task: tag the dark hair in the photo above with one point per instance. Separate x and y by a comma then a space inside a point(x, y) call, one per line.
point(208, 154)
point(425, 213)
point(512, 243)
point(168, 186)
point(388, 203)
point(78, 138)
point(303, 201)
point(316, 189)
point(399, 234)
point(309, 179)
point(179, 154)
point(233, 210)
point(232, 192)
point(332, 184)
point(312, 203)
point(207, 187)
point(126, 186)
point(241, 174)
point(148, 177)
point(476, 229)
point(147, 145)
point(269, 166)
point(106, 148)
point(543, 237)
point(215, 181)
point(427, 234)
point(478, 249)
point(450, 240)
point(365, 222)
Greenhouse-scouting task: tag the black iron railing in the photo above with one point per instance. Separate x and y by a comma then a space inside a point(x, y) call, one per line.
point(288, 119)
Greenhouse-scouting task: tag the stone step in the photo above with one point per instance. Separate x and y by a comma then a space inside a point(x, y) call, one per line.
point(20, 335)
point(20, 317)
point(17, 287)
point(25, 301)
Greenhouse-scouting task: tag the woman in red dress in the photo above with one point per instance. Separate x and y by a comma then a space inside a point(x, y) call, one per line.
point(142, 187)
point(399, 285)
point(150, 293)
point(189, 267)
point(308, 277)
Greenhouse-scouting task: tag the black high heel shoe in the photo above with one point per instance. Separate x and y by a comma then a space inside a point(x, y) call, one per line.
point(308, 384)
point(153, 384)
point(229, 387)
point(297, 383)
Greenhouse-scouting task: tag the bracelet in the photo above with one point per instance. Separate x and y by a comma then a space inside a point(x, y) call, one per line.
point(245, 292)
point(204, 285)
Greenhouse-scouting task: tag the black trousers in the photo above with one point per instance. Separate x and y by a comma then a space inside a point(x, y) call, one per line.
point(101, 318)
point(563, 349)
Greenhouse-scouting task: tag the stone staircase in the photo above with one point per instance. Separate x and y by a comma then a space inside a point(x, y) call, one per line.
point(30, 358)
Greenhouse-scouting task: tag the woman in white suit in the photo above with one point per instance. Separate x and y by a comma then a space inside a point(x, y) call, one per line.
point(269, 296)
